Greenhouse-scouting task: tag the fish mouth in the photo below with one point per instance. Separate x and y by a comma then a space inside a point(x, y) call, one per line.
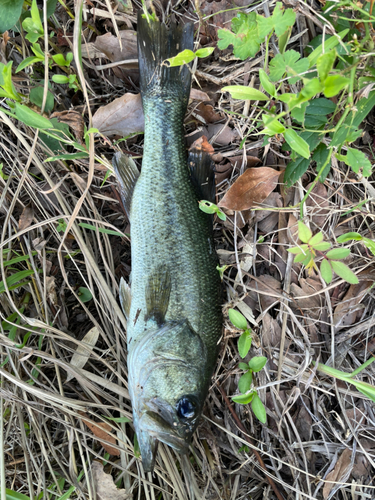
point(158, 429)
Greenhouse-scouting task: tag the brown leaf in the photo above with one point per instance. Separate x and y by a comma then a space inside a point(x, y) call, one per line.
point(222, 172)
point(202, 144)
point(105, 487)
point(267, 219)
point(123, 116)
point(251, 161)
point(198, 95)
point(223, 134)
point(250, 189)
point(271, 331)
point(110, 46)
point(100, 430)
point(51, 289)
point(340, 473)
point(220, 13)
point(318, 201)
point(75, 121)
point(26, 218)
point(347, 310)
point(207, 113)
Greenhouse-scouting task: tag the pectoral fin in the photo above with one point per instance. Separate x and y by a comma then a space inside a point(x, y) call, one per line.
point(127, 175)
point(202, 174)
point(125, 297)
point(157, 294)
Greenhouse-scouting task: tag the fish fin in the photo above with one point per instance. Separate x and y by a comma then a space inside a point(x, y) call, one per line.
point(157, 294)
point(127, 175)
point(156, 43)
point(125, 297)
point(202, 174)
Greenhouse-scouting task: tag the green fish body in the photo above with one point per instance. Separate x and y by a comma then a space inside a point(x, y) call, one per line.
point(174, 305)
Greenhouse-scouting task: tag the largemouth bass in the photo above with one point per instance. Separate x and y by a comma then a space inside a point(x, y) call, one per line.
point(173, 306)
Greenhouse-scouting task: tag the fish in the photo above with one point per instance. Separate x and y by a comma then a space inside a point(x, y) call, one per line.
point(173, 302)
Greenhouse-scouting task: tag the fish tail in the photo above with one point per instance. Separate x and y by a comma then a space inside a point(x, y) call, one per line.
point(156, 43)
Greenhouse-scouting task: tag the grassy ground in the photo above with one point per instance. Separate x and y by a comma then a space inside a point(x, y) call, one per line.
point(65, 409)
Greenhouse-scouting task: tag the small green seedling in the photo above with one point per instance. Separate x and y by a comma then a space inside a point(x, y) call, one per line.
point(245, 384)
point(63, 79)
point(187, 56)
point(222, 270)
point(84, 294)
point(210, 208)
point(313, 247)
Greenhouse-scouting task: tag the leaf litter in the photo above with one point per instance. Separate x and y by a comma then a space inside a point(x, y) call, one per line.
point(318, 439)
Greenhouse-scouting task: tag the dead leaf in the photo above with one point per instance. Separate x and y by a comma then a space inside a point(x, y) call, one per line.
point(347, 310)
point(220, 14)
point(311, 305)
point(110, 46)
point(223, 134)
point(250, 189)
point(123, 116)
point(318, 203)
point(271, 331)
point(202, 144)
point(101, 430)
point(75, 121)
point(105, 487)
point(267, 219)
point(340, 473)
point(292, 232)
point(250, 161)
point(267, 289)
point(26, 218)
point(198, 95)
point(83, 351)
point(206, 113)
point(223, 172)
point(51, 290)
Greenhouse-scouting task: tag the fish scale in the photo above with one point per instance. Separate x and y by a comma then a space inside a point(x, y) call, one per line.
point(174, 305)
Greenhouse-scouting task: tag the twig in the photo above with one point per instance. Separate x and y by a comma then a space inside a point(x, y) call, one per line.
point(249, 440)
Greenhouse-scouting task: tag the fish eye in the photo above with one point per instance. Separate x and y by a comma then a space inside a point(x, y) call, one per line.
point(186, 408)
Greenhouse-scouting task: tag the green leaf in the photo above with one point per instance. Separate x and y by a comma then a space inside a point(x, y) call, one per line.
point(237, 319)
point(33, 25)
point(304, 232)
point(326, 271)
point(51, 6)
point(320, 157)
point(67, 156)
point(283, 19)
point(183, 57)
point(243, 399)
point(321, 106)
point(298, 250)
point(28, 62)
point(84, 294)
point(295, 170)
point(298, 112)
point(202, 53)
point(243, 366)
point(296, 142)
point(265, 26)
point(266, 84)
point(244, 343)
point(258, 408)
point(344, 272)
point(335, 84)
point(208, 207)
point(329, 44)
point(323, 246)
point(226, 38)
point(244, 382)
point(283, 40)
point(311, 88)
point(338, 253)
point(61, 79)
point(15, 278)
point(289, 63)
point(272, 126)
point(6, 82)
point(14, 495)
point(245, 93)
point(303, 257)
point(60, 60)
point(30, 118)
point(100, 229)
point(357, 160)
point(119, 420)
point(348, 237)
point(257, 363)
point(317, 238)
point(10, 13)
point(36, 97)
point(325, 63)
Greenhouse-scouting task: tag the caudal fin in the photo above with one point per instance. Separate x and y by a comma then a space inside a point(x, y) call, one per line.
point(156, 43)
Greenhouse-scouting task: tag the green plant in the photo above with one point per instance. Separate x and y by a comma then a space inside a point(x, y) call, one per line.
point(313, 247)
point(314, 128)
point(187, 56)
point(245, 384)
point(210, 208)
point(367, 389)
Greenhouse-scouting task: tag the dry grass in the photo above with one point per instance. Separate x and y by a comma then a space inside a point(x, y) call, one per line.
point(312, 419)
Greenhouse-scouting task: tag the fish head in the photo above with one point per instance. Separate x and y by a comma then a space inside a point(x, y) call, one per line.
point(168, 382)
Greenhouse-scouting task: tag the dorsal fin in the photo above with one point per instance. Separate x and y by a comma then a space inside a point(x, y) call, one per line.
point(157, 294)
point(127, 175)
point(202, 174)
